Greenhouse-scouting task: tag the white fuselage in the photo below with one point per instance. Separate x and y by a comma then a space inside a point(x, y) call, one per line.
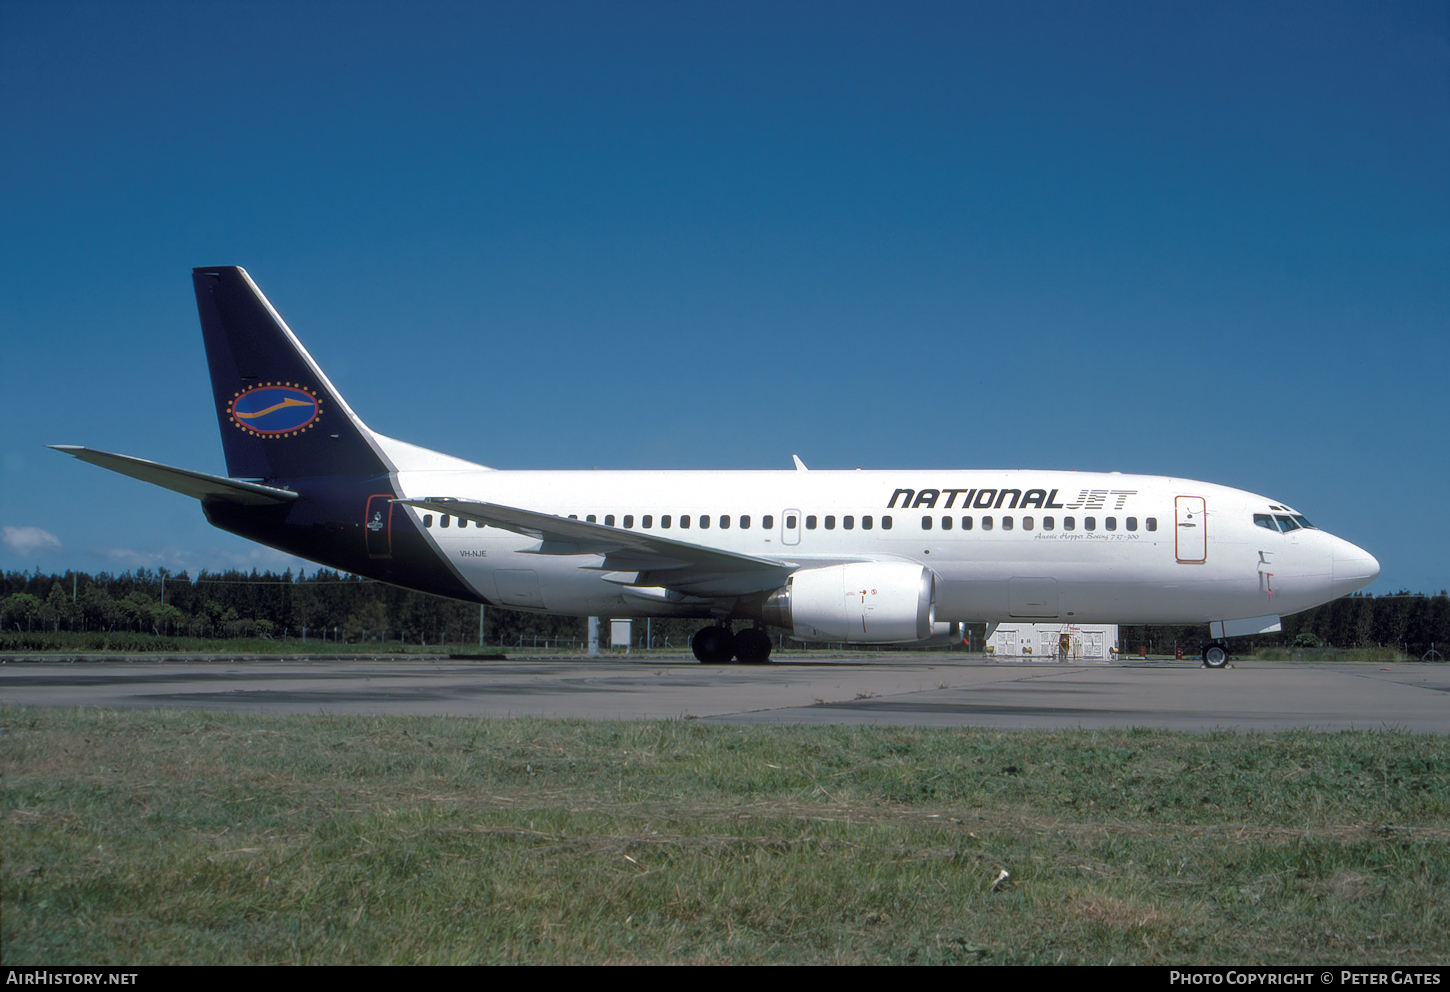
point(1087, 547)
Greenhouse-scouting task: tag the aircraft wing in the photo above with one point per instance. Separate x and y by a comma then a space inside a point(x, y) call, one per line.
point(197, 485)
point(659, 561)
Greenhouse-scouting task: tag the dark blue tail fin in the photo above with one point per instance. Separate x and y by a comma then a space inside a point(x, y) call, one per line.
point(280, 418)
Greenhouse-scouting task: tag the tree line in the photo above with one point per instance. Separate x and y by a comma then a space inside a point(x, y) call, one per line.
point(1411, 622)
point(331, 606)
point(324, 606)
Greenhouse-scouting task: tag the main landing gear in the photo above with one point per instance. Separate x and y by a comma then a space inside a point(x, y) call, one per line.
point(717, 645)
point(753, 646)
point(1215, 655)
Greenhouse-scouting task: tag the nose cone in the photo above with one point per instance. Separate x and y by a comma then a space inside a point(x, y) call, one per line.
point(1354, 568)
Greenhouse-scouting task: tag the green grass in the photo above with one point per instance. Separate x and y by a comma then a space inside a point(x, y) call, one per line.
point(189, 837)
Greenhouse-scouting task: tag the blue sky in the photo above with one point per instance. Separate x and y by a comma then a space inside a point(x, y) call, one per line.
point(1206, 240)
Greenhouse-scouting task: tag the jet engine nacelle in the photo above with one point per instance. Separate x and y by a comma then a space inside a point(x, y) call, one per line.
point(861, 602)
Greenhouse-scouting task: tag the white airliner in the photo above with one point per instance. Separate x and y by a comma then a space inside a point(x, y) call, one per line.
point(867, 557)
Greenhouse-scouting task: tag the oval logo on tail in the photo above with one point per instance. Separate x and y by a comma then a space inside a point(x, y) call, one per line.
point(275, 409)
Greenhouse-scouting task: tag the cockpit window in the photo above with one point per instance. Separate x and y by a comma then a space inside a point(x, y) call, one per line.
point(1302, 522)
point(1264, 520)
point(1286, 524)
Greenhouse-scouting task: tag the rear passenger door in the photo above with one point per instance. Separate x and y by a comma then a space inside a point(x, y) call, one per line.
point(378, 526)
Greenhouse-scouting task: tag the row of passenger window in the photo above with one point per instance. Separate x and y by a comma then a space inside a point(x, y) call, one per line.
point(666, 521)
point(743, 521)
point(767, 522)
point(1048, 523)
point(702, 521)
point(847, 523)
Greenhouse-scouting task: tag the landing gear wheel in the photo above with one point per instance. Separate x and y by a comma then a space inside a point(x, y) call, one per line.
point(713, 645)
point(753, 646)
point(1215, 655)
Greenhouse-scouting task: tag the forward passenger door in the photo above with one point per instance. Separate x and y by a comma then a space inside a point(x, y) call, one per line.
point(1190, 536)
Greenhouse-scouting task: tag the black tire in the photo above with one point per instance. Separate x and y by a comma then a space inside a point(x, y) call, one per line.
point(713, 645)
point(752, 647)
point(1215, 655)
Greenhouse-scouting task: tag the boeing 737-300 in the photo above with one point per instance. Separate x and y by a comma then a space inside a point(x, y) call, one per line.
point(868, 557)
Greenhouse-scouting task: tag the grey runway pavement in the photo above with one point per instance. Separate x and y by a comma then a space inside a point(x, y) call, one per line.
point(939, 692)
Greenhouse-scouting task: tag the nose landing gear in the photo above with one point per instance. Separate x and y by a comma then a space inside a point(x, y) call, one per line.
point(1215, 655)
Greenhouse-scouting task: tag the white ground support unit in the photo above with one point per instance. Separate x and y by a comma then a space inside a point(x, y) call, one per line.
point(621, 635)
point(1055, 641)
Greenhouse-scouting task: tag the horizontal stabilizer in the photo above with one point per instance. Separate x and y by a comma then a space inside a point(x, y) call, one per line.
point(197, 485)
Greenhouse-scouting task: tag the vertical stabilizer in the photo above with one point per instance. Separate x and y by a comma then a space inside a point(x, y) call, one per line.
point(279, 416)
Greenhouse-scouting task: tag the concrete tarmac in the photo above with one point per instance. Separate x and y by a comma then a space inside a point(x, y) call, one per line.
point(892, 690)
